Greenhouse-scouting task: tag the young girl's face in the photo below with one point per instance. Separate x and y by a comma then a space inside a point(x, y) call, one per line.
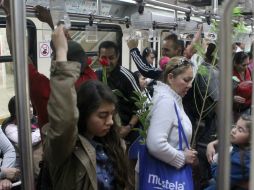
point(100, 121)
point(240, 134)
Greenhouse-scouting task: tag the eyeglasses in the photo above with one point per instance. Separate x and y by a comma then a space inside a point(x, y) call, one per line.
point(182, 62)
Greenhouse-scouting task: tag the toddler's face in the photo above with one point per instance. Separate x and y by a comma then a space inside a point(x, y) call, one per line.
point(240, 134)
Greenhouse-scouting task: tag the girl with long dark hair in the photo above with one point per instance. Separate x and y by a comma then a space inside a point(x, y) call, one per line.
point(82, 146)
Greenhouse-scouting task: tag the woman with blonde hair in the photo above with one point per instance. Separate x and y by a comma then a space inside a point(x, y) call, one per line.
point(162, 139)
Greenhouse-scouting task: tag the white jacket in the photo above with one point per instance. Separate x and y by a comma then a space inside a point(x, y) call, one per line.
point(162, 138)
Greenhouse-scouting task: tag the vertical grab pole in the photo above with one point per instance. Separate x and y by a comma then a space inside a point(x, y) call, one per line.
point(225, 105)
point(19, 45)
point(215, 5)
point(251, 184)
point(98, 7)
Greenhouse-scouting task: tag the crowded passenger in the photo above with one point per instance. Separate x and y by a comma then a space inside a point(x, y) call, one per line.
point(8, 173)
point(238, 47)
point(161, 143)
point(122, 80)
point(149, 54)
point(86, 119)
point(124, 84)
point(162, 138)
point(239, 155)
point(143, 85)
point(82, 146)
point(141, 80)
point(10, 128)
point(171, 47)
point(241, 76)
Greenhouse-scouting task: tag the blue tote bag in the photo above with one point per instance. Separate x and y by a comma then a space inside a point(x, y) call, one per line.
point(155, 174)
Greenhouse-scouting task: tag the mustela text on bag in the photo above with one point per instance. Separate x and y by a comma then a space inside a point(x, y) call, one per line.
point(154, 179)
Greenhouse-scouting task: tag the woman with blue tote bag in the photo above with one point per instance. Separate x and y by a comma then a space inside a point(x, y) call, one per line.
point(165, 162)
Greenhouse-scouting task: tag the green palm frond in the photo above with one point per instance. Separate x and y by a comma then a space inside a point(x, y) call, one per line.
point(144, 106)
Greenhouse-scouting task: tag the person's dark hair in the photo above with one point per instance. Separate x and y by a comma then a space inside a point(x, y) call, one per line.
point(238, 43)
point(12, 110)
point(180, 47)
point(247, 119)
point(177, 44)
point(172, 37)
point(210, 52)
point(147, 51)
point(251, 51)
point(239, 58)
point(137, 74)
point(109, 44)
point(176, 66)
point(90, 96)
point(187, 43)
point(11, 107)
point(75, 53)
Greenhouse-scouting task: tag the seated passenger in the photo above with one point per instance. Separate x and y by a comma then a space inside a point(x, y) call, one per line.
point(239, 156)
point(8, 172)
point(10, 128)
point(82, 146)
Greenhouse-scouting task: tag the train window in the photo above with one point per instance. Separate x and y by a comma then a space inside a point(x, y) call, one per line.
point(4, 48)
point(6, 66)
point(6, 76)
point(105, 32)
point(6, 87)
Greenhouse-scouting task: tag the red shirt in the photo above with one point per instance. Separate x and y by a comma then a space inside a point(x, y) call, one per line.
point(246, 77)
point(40, 90)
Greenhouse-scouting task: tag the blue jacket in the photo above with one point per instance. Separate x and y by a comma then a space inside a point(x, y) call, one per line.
point(240, 167)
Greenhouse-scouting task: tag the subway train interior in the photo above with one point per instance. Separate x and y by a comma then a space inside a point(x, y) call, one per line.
point(221, 86)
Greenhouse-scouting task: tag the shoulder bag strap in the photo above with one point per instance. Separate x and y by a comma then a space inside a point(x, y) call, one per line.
point(181, 131)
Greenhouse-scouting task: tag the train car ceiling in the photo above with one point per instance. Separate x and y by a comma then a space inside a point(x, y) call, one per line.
point(114, 8)
point(199, 3)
